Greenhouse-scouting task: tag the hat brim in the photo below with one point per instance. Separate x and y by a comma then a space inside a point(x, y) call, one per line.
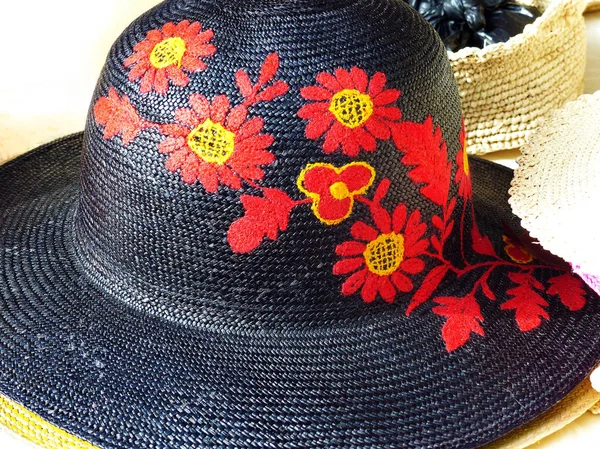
point(119, 378)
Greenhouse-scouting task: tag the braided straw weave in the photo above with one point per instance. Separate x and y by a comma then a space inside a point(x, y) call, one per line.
point(592, 6)
point(556, 186)
point(507, 88)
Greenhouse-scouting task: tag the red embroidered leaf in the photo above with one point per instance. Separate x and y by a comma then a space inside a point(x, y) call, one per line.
point(569, 289)
point(485, 288)
point(278, 89)
point(425, 150)
point(435, 242)
point(448, 230)
point(119, 117)
point(269, 69)
point(437, 222)
point(264, 217)
point(430, 283)
point(244, 84)
point(463, 318)
point(481, 244)
point(528, 305)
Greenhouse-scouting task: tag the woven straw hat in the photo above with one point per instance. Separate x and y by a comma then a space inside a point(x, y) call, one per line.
point(270, 236)
point(556, 189)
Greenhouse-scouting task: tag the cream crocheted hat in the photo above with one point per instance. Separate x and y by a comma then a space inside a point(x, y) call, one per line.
point(556, 189)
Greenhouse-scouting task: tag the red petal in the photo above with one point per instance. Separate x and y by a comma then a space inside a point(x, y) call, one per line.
point(360, 78)
point(174, 130)
point(386, 289)
point(350, 147)
point(334, 138)
point(250, 128)
point(346, 266)
point(189, 169)
point(228, 178)
point(402, 283)
point(170, 144)
point(330, 82)
point(176, 75)
point(412, 266)
point(378, 128)
point(399, 218)
point(364, 232)
point(377, 84)
point(344, 78)
point(313, 110)
point(192, 30)
point(318, 126)
point(134, 58)
point(148, 81)
point(200, 49)
point(139, 70)
point(207, 175)
point(386, 97)
point(365, 140)
point(269, 69)
point(168, 29)
point(220, 108)
point(201, 106)
point(192, 64)
point(187, 117)
point(369, 290)
point(145, 47)
point(236, 118)
point(315, 93)
point(154, 36)
point(391, 113)
point(161, 82)
point(354, 282)
point(176, 160)
point(350, 248)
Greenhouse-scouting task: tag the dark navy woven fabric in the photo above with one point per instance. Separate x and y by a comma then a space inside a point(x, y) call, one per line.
point(127, 319)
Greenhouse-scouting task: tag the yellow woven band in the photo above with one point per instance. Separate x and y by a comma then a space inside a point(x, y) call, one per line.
point(36, 429)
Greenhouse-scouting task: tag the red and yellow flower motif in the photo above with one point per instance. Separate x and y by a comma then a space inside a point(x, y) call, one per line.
point(165, 53)
point(216, 144)
point(463, 172)
point(351, 110)
point(517, 252)
point(333, 189)
point(381, 260)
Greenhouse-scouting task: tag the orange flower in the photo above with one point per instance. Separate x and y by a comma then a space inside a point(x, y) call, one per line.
point(333, 189)
point(164, 54)
point(517, 252)
point(351, 110)
point(382, 259)
point(463, 175)
point(216, 144)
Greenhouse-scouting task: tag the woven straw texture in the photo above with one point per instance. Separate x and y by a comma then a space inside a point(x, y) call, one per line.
point(152, 299)
point(507, 88)
point(596, 409)
point(556, 187)
point(39, 431)
point(578, 402)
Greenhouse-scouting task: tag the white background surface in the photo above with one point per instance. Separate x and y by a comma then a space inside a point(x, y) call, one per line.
point(52, 53)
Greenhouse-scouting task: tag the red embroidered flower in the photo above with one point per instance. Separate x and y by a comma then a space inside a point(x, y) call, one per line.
point(351, 110)
point(516, 252)
point(333, 189)
point(463, 175)
point(164, 54)
point(216, 144)
point(380, 259)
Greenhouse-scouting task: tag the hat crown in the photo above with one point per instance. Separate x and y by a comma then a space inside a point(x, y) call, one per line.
point(232, 147)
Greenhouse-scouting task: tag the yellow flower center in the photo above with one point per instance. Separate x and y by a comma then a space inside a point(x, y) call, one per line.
point(466, 163)
point(211, 142)
point(385, 254)
point(339, 191)
point(168, 52)
point(351, 108)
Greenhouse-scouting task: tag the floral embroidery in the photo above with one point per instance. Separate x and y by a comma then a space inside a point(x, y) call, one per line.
point(165, 54)
point(351, 110)
point(516, 252)
point(382, 259)
point(397, 254)
point(216, 144)
point(462, 177)
point(333, 189)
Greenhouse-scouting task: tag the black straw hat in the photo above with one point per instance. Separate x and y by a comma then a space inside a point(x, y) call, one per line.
point(267, 237)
